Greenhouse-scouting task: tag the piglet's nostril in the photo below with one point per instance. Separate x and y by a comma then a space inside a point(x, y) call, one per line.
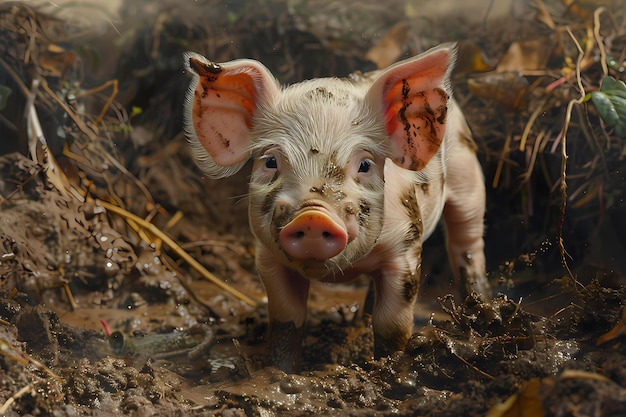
point(313, 235)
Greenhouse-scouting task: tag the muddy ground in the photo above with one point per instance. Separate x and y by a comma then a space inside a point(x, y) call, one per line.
point(127, 283)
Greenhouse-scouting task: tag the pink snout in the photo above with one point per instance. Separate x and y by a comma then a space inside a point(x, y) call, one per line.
point(313, 235)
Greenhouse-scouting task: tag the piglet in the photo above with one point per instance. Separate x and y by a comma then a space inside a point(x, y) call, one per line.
point(349, 177)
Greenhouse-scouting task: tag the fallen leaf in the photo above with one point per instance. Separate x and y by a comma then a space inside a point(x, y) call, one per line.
point(390, 47)
point(57, 60)
point(618, 330)
point(530, 55)
point(527, 402)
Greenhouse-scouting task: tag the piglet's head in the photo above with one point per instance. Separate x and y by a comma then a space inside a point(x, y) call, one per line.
point(319, 149)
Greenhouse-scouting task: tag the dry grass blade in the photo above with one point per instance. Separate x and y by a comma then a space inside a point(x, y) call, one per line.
point(598, 39)
point(578, 374)
point(11, 400)
point(539, 141)
point(563, 181)
point(154, 230)
point(618, 330)
point(503, 154)
point(114, 90)
point(530, 123)
point(23, 358)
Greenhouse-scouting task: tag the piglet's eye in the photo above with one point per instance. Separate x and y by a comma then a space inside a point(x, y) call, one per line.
point(270, 162)
point(365, 165)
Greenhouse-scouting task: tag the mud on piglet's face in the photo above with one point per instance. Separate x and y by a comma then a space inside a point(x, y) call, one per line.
point(309, 161)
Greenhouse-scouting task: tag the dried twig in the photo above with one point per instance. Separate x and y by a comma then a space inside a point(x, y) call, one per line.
point(70, 296)
point(23, 358)
point(114, 87)
point(154, 230)
point(539, 140)
point(598, 37)
point(566, 123)
point(11, 400)
point(505, 151)
point(531, 121)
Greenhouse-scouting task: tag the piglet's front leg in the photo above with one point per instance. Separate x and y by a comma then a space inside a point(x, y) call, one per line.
point(396, 291)
point(287, 293)
point(464, 215)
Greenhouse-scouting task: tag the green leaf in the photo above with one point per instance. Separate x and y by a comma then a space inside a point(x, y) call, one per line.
point(135, 111)
point(610, 101)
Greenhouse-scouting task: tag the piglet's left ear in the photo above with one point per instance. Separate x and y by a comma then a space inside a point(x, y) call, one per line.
point(412, 97)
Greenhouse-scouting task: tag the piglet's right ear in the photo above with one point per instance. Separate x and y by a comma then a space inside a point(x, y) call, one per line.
point(219, 111)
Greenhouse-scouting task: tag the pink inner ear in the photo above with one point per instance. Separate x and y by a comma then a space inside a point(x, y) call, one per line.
point(415, 105)
point(223, 106)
